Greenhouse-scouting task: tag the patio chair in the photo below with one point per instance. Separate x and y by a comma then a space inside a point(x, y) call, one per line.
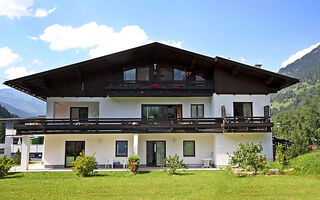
point(124, 164)
point(109, 164)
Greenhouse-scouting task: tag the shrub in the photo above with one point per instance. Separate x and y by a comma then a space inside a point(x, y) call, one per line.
point(172, 163)
point(84, 165)
point(5, 165)
point(134, 163)
point(249, 157)
point(17, 158)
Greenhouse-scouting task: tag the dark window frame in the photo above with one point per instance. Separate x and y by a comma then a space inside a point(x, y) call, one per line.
point(87, 108)
point(251, 103)
point(197, 112)
point(65, 150)
point(144, 105)
point(116, 152)
point(2, 150)
point(194, 148)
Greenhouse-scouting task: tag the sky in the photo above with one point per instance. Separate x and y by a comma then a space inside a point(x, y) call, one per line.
point(40, 35)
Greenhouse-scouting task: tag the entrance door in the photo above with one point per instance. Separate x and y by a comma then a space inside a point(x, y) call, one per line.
point(73, 149)
point(156, 152)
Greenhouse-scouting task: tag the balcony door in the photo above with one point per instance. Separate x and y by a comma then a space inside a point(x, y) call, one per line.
point(156, 152)
point(161, 113)
point(73, 149)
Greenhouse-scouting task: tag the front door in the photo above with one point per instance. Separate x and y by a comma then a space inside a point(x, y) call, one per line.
point(73, 149)
point(156, 152)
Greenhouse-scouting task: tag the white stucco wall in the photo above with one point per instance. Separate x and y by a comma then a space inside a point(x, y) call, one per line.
point(122, 107)
point(228, 143)
point(102, 145)
point(174, 145)
point(62, 109)
point(258, 102)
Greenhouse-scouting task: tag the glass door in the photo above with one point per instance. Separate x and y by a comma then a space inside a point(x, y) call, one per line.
point(156, 152)
point(73, 149)
point(160, 153)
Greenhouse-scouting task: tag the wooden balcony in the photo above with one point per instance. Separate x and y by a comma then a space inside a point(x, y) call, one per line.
point(138, 125)
point(160, 88)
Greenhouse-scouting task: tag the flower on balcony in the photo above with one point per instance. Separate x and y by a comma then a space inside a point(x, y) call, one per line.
point(156, 86)
point(175, 86)
point(137, 85)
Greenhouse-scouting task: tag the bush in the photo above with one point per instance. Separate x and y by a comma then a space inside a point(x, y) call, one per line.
point(172, 163)
point(5, 165)
point(134, 163)
point(84, 165)
point(17, 158)
point(248, 156)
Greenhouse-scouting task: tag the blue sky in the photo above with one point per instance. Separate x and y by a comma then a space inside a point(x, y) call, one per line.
point(40, 35)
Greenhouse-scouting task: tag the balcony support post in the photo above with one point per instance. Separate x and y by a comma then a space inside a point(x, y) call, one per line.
point(135, 144)
point(25, 151)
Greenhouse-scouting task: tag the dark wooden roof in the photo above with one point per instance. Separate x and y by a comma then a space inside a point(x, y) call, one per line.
point(42, 85)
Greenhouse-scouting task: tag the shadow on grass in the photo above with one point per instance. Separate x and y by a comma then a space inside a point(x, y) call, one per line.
point(14, 175)
point(143, 172)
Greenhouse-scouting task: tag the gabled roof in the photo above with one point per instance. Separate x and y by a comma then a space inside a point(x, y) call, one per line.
point(39, 84)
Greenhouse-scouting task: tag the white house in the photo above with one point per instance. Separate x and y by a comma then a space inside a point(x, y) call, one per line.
point(152, 101)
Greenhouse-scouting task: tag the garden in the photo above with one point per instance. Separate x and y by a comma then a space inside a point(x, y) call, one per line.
point(297, 178)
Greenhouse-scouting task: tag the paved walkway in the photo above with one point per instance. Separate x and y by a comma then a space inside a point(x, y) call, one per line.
point(37, 167)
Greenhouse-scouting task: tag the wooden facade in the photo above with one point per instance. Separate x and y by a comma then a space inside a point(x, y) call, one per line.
point(103, 76)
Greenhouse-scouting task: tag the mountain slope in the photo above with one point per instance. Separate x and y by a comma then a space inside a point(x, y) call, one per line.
point(307, 69)
point(21, 104)
point(299, 66)
point(4, 113)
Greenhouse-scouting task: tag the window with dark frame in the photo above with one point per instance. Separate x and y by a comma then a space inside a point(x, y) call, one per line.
point(129, 74)
point(189, 148)
point(121, 148)
point(79, 112)
point(2, 151)
point(197, 110)
point(242, 109)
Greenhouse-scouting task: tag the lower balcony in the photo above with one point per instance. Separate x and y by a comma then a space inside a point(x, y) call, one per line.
point(43, 126)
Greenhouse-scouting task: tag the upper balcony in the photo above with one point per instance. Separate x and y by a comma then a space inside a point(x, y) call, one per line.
point(160, 88)
point(138, 125)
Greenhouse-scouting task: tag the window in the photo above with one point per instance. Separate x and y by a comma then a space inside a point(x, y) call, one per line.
point(179, 74)
point(2, 151)
point(200, 76)
point(242, 109)
point(197, 110)
point(79, 112)
point(166, 74)
point(121, 148)
point(129, 74)
point(143, 73)
point(189, 148)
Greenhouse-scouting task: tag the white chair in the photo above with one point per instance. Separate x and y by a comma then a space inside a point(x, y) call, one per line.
point(109, 163)
point(124, 164)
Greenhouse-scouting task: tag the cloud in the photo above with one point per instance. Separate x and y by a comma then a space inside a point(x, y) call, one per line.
point(16, 72)
point(18, 8)
point(101, 39)
point(32, 38)
point(299, 55)
point(7, 57)
point(40, 12)
point(242, 59)
point(36, 61)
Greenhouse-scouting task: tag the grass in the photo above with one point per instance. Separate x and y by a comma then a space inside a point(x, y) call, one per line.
point(307, 164)
point(157, 185)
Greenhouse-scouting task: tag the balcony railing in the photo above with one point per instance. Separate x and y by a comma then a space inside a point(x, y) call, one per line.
point(159, 88)
point(138, 125)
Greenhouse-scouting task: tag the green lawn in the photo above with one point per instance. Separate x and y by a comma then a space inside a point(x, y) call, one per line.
point(157, 185)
